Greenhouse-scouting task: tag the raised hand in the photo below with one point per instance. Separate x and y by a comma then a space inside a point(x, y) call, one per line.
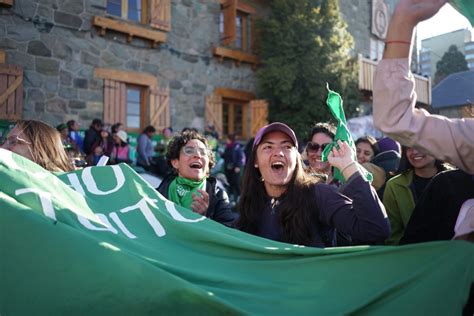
point(342, 156)
point(200, 202)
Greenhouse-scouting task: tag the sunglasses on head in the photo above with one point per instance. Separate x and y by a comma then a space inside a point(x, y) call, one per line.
point(314, 147)
point(192, 151)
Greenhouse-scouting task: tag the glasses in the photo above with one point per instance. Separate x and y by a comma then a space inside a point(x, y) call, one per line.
point(314, 147)
point(193, 151)
point(12, 141)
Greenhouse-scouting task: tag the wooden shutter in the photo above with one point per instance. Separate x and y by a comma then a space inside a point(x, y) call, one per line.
point(213, 113)
point(115, 102)
point(160, 108)
point(160, 14)
point(11, 92)
point(229, 9)
point(258, 115)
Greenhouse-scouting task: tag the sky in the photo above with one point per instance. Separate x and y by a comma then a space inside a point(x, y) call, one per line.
point(445, 21)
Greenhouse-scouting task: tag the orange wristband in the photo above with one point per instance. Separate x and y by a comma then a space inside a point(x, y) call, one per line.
point(398, 42)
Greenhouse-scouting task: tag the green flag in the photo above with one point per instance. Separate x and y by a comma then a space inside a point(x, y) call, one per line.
point(334, 103)
point(465, 7)
point(101, 241)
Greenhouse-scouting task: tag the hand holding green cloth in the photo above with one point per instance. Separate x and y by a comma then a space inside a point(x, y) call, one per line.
point(465, 7)
point(181, 190)
point(334, 102)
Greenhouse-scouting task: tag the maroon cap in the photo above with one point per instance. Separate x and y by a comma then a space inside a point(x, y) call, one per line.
point(274, 127)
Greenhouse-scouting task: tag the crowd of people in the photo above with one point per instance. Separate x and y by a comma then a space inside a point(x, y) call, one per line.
point(286, 193)
point(277, 190)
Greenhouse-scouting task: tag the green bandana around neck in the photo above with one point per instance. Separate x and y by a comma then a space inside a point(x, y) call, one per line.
point(181, 190)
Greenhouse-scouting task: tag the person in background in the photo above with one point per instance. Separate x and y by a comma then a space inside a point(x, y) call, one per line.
point(322, 134)
point(38, 142)
point(394, 111)
point(65, 139)
point(435, 214)
point(94, 157)
point(92, 135)
point(145, 150)
point(121, 150)
point(403, 191)
point(366, 149)
point(116, 128)
point(280, 201)
point(189, 184)
point(234, 160)
point(73, 128)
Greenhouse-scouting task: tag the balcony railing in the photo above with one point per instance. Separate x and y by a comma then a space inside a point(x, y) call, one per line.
point(366, 80)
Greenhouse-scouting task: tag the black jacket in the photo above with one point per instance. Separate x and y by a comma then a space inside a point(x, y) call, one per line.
point(219, 208)
point(436, 212)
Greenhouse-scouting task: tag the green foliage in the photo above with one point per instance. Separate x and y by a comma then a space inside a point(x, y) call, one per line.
point(452, 61)
point(303, 45)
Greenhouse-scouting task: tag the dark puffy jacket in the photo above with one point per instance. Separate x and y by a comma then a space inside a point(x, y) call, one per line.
point(219, 208)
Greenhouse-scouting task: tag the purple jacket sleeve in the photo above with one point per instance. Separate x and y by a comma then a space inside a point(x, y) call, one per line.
point(356, 211)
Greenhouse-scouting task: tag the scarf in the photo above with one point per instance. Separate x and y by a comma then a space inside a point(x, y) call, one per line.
point(181, 190)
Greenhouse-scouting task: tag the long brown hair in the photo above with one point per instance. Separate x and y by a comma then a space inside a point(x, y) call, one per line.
point(297, 212)
point(47, 149)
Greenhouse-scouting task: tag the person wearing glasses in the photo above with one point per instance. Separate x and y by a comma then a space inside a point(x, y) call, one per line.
point(321, 135)
point(189, 183)
point(38, 142)
point(280, 201)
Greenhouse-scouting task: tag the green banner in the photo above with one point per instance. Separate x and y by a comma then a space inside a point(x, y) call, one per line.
point(465, 7)
point(101, 241)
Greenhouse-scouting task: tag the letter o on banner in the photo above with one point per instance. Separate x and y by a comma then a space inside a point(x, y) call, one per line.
point(91, 185)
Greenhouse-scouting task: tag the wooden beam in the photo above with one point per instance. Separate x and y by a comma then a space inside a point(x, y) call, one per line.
point(8, 3)
point(2, 57)
point(130, 30)
point(235, 55)
point(235, 94)
point(131, 77)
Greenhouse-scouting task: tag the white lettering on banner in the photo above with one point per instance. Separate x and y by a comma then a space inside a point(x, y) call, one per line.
point(171, 208)
point(91, 185)
point(107, 226)
point(74, 180)
point(120, 224)
point(45, 200)
point(143, 207)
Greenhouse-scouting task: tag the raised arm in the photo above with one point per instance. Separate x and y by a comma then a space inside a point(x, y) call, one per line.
point(394, 97)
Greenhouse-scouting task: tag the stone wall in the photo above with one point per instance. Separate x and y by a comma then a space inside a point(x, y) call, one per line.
point(59, 49)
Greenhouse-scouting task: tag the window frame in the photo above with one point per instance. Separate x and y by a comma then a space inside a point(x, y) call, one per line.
point(144, 16)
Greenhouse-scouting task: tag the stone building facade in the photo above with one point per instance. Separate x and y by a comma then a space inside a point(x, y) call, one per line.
point(64, 52)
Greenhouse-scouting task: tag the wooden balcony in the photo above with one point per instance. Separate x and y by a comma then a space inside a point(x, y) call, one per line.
point(237, 56)
point(366, 81)
point(129, 29)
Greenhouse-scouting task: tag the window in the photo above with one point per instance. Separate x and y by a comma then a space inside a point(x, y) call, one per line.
point(243, 31)
point(232, 117)
point(153, 13)
point(469, 56)
point(425, 56)
point(237, 34)
point(135, 107)
point(134, 99)
point(133, 10)
point(236, 111)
